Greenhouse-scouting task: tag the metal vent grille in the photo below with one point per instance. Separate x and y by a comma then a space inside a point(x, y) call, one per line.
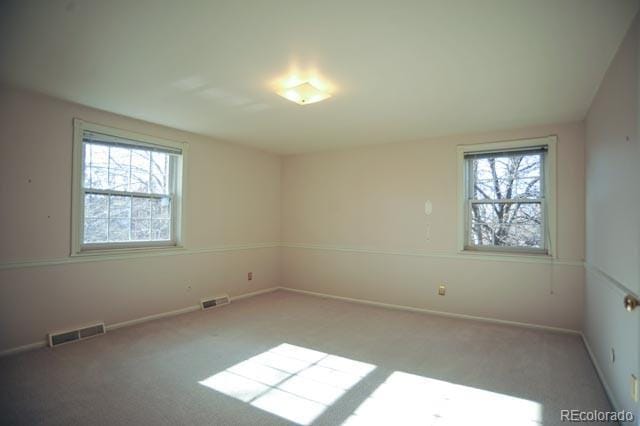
point(92, 331)
point(59, 339)
point(206, 304)
point(68, 336)
point(215, 301)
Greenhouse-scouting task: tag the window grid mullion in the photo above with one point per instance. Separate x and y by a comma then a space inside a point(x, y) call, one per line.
point(125, 193)
point(130, 198)
point(150, 219)
point(154, 199)
point(471, 201)
point(90, 166)
point(109, 167)
point(509, 201)
point(108, 216)
point(470, 188)
point(173, 182)
point(543, 206)
point(149, 188)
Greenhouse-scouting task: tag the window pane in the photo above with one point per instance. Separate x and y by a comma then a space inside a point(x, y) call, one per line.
point(141, 208)
point(96, 163)
point(140, 161)
point(99, 155)
point(506, 224)
point(119, 165)
point(159, 173)
point(141, 229)
point(96, 206)
point(115, 179)
point(86, 161)
point(507, 177)
point(99, 177)
point(117, 218)
point(526, 187)
point(119, 230)
point(126, 169)
point(500, 177)
point(95, 230)
point(160, 229)
point(119, 207)
point(161, 208)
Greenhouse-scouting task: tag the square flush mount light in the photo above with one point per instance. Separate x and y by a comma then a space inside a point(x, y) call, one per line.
point(304, 94)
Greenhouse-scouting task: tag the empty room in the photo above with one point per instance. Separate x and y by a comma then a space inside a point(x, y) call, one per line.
point(296, 212)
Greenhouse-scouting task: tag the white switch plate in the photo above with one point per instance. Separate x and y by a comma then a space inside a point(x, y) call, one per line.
point(428, 208)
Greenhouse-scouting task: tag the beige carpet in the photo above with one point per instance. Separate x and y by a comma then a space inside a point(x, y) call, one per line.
point(285, 358)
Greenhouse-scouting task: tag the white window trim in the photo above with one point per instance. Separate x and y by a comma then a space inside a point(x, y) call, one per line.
point(550, 194)
point(79, 127)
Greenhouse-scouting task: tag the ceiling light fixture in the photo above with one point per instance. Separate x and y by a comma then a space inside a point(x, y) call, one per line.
point(303, 93)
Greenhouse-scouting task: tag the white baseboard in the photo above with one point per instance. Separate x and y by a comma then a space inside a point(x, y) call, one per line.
point(432, 312)
point(605, 385)
point(110, 327)
point(115, 326)
point(255, 293)
point(24, 348)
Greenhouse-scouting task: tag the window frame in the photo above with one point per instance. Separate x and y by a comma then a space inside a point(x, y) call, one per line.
point(178, 197)
point(548, 203)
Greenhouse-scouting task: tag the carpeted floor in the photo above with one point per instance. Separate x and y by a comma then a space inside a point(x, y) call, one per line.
point(286, 358)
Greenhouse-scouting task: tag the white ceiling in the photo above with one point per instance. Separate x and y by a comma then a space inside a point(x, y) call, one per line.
point(403, 70)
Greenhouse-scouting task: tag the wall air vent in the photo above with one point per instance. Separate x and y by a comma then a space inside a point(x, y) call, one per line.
point(214, 302)
point(61, 337)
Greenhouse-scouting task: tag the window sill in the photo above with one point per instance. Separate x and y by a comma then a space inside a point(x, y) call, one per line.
point(124, 251)
point(496, 254)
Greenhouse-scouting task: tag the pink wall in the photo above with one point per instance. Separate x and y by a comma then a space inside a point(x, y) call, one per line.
point(233, 199)
point(366, 198)
point(352, 222)
point(613, 222)
point(355, 201)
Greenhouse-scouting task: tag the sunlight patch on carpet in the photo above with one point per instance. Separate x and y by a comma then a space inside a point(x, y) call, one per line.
point(409, 399)
point(292, 382)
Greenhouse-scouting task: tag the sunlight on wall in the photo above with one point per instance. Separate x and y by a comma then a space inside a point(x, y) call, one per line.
point(410, 399)
point(290, 381)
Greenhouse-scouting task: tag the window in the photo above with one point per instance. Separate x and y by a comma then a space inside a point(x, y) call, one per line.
point(507, 196)
point(127, 190)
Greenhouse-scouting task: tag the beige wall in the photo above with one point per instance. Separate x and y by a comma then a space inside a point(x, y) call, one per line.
point(613, 221)
point(336, 206)
point(233, 199)
point(373, 198)
point(352, 222)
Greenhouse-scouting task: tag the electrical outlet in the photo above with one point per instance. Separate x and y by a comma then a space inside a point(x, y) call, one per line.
point(442, 290)
point(634, 388)
point(249, 276)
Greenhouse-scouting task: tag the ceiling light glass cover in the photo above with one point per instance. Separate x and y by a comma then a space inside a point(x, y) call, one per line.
point(304, 94)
